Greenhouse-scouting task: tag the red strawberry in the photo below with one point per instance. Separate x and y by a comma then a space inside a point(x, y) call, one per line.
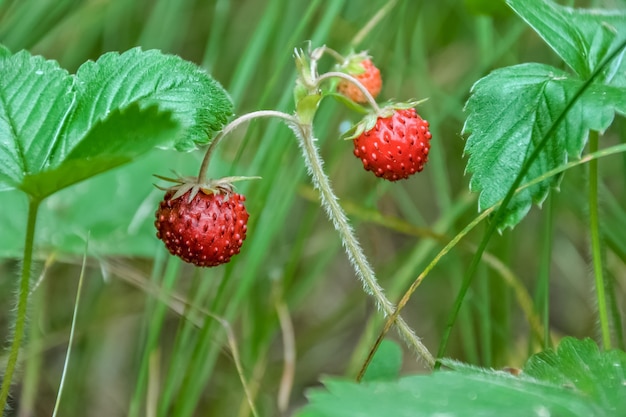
point(206, 230)
point(368, 75)
point(396, 146)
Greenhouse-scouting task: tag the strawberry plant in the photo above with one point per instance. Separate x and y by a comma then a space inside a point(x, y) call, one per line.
point(58, 129)
point(523, 124)
point(201, 301)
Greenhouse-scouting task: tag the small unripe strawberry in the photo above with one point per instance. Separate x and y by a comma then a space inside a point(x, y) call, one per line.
point(206, 230)
point(396, 147)
point(368, 75)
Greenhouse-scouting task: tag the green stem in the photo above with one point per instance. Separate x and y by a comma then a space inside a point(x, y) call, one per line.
point(357, 84)
point(364, 271)
point(232, 126)
point(596, 244)
point(22, 301)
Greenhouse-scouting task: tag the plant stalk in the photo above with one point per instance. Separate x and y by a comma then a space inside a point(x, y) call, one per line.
point(351, 79)
point(596, 244)
point(22, 301)
point(232, 126)
point(304, 133)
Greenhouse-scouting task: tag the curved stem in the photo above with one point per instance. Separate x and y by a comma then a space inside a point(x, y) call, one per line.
point(22, 301)
point(232, 126)
point(349, 78)
point(355, 254)
point(596, 244)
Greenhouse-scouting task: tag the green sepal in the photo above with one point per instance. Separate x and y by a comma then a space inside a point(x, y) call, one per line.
point(307, 106)
point(369, 120)
point(367, 123)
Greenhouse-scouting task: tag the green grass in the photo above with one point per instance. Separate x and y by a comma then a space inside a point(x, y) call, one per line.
point(144, 340)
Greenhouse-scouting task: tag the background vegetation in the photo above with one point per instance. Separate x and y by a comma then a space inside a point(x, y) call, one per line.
point(133, 351)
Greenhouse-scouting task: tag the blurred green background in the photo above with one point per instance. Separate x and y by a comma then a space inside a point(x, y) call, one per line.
point(292, 265)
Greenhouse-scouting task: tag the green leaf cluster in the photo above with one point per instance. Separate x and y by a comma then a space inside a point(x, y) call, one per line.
point(575, 380)
point(57, 129)
point(512, 110)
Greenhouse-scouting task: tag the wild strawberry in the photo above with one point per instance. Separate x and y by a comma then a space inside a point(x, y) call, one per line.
point(204, 226)
point(395, 146)
point(367, 74)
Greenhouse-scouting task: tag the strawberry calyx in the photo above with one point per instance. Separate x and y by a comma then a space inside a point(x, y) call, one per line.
point(182, 185)
point(369, 120)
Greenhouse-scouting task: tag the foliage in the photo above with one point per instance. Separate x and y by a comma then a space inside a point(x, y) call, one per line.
point(155, 337)
point(59, 129)
point(575, 380)
point(513, 109)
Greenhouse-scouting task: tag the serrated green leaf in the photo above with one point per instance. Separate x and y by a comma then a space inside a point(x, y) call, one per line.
point(575, 381)
point(35, 97)
point(509, 113)
point(386, 363)
point(581, 37)
point(55, 127)
point(116, 80)
point(119, 138)
point(485, 394)
point(580, 365)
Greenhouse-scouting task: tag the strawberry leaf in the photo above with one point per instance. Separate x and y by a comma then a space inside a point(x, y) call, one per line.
point(124, 135)
point(510, 111)
point(577, 380)
point(581, 37)
point(580, 365)
point(52, 122)
point(35, 97)
point(115, 80)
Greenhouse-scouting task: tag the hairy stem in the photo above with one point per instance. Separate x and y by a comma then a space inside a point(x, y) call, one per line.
point(304, 133)
point(232, 126)
point(22, 301)
point(596, 244)
point(353, 249)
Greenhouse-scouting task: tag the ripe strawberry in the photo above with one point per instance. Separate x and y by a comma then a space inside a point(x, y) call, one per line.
point(203, 227)
point(396, 146)
point(367, 74)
